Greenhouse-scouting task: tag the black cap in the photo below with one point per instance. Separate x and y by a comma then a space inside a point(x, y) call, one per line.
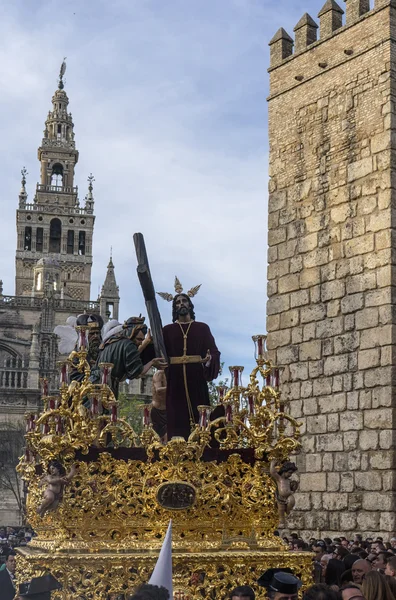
point(280, 580)
point(39, 588)
point(87, 320)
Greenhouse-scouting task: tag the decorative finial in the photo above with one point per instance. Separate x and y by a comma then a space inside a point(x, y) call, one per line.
point(24, 173)
point(61, 74)
point(91, 179)
point(111, 252)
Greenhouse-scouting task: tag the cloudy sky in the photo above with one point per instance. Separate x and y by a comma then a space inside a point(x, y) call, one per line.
point(169, 103)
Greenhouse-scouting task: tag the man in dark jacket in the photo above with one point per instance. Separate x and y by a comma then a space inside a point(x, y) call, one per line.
point(7, 578)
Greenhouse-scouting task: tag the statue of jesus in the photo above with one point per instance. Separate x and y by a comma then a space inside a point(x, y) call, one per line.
point(193, 360)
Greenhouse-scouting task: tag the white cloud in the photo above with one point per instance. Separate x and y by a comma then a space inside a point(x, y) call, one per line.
point(169, 105)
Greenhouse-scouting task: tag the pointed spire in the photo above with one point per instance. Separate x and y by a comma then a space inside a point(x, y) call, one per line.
point(355, 9)
point(109, 299)
point(330, 18)
point(306, 32)
point(22, 193)
point(89, 198)
point(281, 46)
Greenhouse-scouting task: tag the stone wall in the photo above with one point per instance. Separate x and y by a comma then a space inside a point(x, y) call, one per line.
point(331, 267)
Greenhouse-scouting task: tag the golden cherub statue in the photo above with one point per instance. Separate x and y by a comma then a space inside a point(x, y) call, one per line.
point(56, 479)
point(286, 488)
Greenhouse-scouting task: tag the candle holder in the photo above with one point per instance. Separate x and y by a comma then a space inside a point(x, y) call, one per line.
point(146, 415)
point(113, 412)
point(228, 414)
point(64, 375)
point(106, 369)
point(260, 349)
point(221, 392)
point(236, 374)
point(51, 402)
point(204, 413)
point(82, 340)
point(44, 387)
point(250, 405)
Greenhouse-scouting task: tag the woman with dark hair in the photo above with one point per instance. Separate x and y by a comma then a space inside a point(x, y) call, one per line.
point(334, 571)
point(321, 592)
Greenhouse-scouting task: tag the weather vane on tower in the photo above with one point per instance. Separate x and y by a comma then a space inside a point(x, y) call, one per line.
point(61, 74)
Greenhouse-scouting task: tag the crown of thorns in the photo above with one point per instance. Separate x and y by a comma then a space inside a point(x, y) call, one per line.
point(179, 290)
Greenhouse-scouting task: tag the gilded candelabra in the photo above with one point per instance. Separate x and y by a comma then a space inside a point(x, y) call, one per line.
point(217, 487)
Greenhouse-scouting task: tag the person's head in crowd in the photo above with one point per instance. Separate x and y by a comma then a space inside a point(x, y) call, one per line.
point(242, 592)
point(324, 561)
point(2, 532)
point(337, 540)
point(335, 569)
point(359, 570)
point(327, 541)
point(345, 543)
point(393, 542)
point(150, 592)
point(318, 551)
point(375, 587)
point(10, 562)
point(379, 563)
point(346, 577)
point(299, 545)
point(390, 568)
point(362, 553)
point(349, 559)
point(340, 552)
point(391, 581)
point(377, 546)
point(294, 536)
point(351, 591)
point(358, 538)
point(321, 592)
point(280, 584)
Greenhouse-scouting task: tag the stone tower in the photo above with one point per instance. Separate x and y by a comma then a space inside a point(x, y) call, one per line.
point(331, 307)
point(109, 299)
point(54, 225)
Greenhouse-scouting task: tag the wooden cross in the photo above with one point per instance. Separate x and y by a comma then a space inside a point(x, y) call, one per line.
point(144, 275)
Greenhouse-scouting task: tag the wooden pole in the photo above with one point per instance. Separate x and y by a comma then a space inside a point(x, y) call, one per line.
point(146, 282)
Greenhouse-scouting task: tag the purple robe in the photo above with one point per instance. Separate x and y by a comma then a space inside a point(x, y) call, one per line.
point(199, 341)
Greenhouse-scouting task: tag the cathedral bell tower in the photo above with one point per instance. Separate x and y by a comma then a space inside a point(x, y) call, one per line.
point(55, 226)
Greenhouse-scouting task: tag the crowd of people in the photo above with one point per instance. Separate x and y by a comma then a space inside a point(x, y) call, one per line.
point(12, 537)
point(358, 569)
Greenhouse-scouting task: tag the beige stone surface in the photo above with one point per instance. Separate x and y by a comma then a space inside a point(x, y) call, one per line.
point(332, 186)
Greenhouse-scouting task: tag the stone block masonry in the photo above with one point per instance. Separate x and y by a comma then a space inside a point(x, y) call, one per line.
point(332, 255)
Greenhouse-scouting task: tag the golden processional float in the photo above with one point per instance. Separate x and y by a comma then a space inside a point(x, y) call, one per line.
point(223, 489)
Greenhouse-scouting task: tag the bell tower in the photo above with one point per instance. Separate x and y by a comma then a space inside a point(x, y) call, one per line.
point(54, 225)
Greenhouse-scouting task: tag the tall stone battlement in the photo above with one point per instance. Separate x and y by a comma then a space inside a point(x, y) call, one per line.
point(331, 311)
point(337, 38)
point(331, 21)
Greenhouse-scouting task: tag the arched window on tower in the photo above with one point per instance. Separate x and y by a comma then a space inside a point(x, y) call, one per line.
point(57, 175)
point(70, 241)
point(39, 282)
point(28, 239)
point(81, 242)
point(55, 236)
point(39, 239)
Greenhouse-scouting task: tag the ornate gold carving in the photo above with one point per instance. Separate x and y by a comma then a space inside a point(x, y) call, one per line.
point(104, 536)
